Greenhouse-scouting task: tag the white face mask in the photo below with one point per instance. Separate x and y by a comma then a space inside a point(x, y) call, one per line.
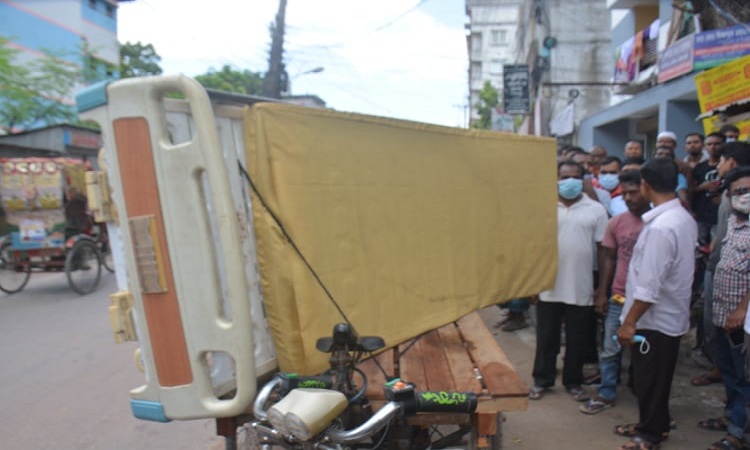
point(741, 203)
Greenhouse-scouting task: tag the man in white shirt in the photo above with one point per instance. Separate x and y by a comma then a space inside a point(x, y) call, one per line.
point(581, 222)
point(657, 301)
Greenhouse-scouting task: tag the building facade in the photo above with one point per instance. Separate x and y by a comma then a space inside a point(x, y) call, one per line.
point(567, 46)
point(84, 32)
point(79, 32)
point(659, 50)
point(491, 42)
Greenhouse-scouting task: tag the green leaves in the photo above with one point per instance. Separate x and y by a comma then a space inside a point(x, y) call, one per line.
point(231, 80)
point(489, 98)
point(36, 93)
point(138, 60)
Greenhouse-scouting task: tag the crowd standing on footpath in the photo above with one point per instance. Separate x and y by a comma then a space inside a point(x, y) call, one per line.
point(628, 231)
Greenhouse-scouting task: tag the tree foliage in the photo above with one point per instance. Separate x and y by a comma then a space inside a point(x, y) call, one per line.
point(36, 93)
point(489, 99)
point(231, 80)
point(138, 60)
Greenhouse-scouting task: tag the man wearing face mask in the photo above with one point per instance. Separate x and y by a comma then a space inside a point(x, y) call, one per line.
point(733, 155)
point(731, 132)
point(609, 172)
point(581, 222)
point(730, 298)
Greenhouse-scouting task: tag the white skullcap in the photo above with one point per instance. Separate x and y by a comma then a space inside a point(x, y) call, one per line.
point(668, 135)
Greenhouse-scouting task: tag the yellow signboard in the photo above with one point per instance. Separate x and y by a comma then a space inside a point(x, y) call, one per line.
point(722, 86)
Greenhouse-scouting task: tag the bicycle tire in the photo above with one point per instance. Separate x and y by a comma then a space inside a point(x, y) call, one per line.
point(106, 256)
point(83, 267)
point(14, 275)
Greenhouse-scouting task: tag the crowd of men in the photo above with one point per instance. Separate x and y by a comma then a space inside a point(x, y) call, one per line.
point(628, 230)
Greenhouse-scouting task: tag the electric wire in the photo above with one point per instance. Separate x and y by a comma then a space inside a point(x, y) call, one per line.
point(297, 250)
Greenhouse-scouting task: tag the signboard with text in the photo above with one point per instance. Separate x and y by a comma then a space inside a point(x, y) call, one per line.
point(677, 59)
point(516, 89)
point(722, 86)
point(716, 47)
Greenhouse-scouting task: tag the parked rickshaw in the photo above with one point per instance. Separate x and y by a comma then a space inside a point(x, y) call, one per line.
point(46, 226)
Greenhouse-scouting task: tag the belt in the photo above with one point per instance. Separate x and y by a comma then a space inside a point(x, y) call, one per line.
point(617, 298)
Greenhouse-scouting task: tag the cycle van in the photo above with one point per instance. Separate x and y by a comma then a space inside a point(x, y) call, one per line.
point(244, 230)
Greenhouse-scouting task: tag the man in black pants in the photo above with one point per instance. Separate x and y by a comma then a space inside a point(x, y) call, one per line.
point(657, 301)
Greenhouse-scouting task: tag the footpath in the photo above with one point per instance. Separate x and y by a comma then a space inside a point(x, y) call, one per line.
point(554, 422)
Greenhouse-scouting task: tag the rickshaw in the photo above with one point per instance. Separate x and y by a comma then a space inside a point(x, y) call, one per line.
point(46, 226)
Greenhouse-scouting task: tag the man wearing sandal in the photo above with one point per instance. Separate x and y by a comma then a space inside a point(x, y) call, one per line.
point(617, 246)
point(730, 296)
point(657, 302)
point(580, 228)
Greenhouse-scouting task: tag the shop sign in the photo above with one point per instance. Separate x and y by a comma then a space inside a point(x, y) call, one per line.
point(516, 89)
point(716, 47)
point(722, 86)
point(82, 139)
point(677, 59)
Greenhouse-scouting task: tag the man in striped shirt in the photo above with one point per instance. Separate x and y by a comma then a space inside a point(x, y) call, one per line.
point(730, 297)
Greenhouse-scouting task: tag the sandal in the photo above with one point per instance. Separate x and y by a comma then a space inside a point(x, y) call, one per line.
point(629, 430)
point(714, 424)
point(729, 444)
point(638, 443)
point(705, 379)
point(536, 392)
point(578, 394)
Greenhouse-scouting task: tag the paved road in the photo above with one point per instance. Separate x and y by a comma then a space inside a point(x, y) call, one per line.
point(64, 383)
point(555, 423)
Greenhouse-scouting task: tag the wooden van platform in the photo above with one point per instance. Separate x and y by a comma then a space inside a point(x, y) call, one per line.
point(461, 356)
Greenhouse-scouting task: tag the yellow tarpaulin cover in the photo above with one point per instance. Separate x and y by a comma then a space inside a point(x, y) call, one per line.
point(410, 226)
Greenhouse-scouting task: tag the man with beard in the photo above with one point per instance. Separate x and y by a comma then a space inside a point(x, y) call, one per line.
point(617, 248)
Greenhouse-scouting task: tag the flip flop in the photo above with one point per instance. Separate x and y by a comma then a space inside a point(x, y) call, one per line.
point(628, 430)
point(704, 379)
point(714, 424)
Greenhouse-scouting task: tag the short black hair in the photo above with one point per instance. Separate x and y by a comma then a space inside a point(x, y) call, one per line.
point(660, 174)
point(570, 162)
point(572, 150)
point(636, 160)
point(700, 136)
point(717, 135)
point(610, 160)
point(661, 147)
point(563, 149)
point(739, 151)
point(735, 174)
point(729, 127)
point(630, 176)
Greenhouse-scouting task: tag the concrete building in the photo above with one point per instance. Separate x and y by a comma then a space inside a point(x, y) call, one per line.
point(567, 46)
point(78, 32)
point(84, 31)
point(491, 42)
point(659, 51)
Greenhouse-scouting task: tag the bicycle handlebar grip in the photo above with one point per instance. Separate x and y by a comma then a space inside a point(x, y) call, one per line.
point(445, 402)
point(293, 381)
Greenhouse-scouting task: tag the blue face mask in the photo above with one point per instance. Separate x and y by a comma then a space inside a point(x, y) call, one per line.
point(569, 188)
point(609, 181)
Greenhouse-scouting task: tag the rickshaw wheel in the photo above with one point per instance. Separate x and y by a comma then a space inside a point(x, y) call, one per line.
point(83, 267)
point(14, 274)
point(106, 256)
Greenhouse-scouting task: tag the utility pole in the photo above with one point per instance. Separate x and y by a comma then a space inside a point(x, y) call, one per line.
point(276, 75)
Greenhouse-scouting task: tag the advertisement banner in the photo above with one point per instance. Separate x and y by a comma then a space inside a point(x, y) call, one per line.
point(516, 89)
point(722, 86)
point(677, 59)
point(716, 47)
